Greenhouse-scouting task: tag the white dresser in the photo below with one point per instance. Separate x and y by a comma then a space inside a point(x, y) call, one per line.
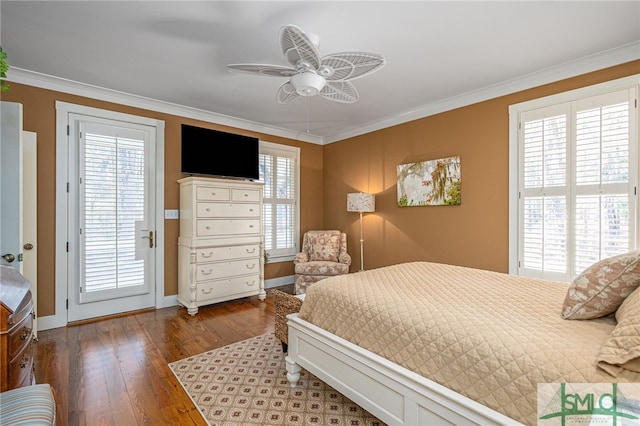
point(220, 248)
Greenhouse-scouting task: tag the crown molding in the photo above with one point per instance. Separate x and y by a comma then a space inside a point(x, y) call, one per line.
point(626, 53)
point(45, 81)
point(620, 55)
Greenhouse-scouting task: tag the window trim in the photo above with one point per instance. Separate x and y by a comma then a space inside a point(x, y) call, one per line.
point(266, 148)
point(625, 83)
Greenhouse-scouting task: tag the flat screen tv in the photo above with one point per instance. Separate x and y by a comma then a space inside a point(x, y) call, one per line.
point(208, 152)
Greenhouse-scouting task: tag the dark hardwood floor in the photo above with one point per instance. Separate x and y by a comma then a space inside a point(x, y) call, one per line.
point(114, 371)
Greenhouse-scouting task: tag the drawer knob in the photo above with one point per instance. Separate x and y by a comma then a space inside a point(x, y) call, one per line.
point(25, 333)
point(207, 227)
point(250, 284)
point(207, 272)
point(253, 250)
point(207, 255)
point(206, 292)
point(24, 362)
point(207, 209)
point(251, 266)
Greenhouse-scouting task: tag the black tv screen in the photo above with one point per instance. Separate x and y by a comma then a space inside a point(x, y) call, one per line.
point(209, 152)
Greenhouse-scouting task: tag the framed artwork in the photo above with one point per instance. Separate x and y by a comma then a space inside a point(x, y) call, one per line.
point(430, 183)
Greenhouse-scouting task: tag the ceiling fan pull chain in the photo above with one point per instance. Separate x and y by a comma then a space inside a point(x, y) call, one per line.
point(308, 106)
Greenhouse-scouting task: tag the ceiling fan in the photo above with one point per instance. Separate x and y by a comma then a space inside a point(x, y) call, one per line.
point(310, 74)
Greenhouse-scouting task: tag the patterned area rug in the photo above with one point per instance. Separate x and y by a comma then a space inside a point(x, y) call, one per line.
point(246, 383)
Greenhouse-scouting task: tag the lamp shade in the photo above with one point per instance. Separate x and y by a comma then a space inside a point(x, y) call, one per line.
point(361, 202)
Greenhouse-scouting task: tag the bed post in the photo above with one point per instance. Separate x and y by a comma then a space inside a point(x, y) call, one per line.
point(293, 372)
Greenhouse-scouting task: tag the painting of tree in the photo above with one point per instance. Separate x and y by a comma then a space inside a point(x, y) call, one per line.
point(430, 183)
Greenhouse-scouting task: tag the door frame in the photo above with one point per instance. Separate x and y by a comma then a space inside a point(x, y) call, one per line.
point(63, 110)
point(30, 216)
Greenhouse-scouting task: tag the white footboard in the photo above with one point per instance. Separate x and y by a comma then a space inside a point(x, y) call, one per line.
point(392, 393)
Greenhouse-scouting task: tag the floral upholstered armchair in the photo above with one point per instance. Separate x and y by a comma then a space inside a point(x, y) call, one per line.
point(323, 254)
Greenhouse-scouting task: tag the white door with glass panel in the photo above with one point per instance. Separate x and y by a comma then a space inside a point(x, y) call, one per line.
point(111, 219)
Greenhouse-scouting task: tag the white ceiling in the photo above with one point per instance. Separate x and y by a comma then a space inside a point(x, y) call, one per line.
point(440, 54)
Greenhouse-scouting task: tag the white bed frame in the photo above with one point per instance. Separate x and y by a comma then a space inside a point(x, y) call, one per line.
point(390, 392)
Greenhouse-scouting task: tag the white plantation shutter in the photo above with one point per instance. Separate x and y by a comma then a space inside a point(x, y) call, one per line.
point(602, 178)
point(112, 199)
point(576, 195)
point(279, 173)
point(544, 193)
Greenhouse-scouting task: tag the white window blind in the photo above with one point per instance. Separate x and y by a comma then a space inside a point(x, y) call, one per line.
point(112, 199)
point(279, 173)
point(577, 198)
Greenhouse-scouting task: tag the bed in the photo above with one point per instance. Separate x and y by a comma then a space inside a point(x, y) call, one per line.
point(428, 343)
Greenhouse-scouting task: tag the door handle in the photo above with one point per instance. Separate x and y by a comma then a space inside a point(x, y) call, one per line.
point(9, 257)
point(28, 246)
point(150, 237)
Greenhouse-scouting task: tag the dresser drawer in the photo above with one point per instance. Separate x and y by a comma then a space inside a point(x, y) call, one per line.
point(213, 254)
point(245, 195)
point(20, 335)
point(227, 210)
point(212, 193)
point(227, 287)
point(25, 309)
point(216, 227)
point(214, 271)
point(21, 368)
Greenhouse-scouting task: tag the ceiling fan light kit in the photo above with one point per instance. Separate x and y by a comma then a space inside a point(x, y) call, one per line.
point(308, 83)
point(312, 75)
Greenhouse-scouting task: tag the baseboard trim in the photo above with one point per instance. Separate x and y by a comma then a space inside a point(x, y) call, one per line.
point(51, 321)
point(280, 281)
point(57, 321)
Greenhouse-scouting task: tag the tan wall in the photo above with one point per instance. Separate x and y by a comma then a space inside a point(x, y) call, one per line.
point(473, 234)
point(40, 117)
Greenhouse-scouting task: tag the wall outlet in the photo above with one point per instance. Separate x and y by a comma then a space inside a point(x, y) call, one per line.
point(172, 214)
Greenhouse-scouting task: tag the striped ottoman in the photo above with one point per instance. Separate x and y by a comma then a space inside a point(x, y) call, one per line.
point(29, 405)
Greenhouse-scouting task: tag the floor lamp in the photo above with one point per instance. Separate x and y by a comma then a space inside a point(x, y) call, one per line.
point(362, 203)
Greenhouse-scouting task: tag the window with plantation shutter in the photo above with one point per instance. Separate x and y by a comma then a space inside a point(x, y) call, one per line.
point(577, 184)
point(279, 171)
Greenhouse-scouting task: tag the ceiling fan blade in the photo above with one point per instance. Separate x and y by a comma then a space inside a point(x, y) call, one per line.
point(287, 93)
point(262, 69)
point(340, 91)
point(351, 65)
point(296, 47)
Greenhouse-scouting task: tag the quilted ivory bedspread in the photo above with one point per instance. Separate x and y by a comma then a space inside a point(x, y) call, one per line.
point(489, 336)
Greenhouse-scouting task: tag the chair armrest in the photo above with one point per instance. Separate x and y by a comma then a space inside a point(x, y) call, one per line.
point(301, 258)
point(344, 258)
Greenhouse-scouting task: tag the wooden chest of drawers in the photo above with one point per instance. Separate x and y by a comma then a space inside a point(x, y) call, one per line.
point(16, 330)
point(220, 249)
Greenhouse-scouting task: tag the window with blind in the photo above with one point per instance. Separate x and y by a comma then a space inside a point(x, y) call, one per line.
point(577, 186)
point(279, 171)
